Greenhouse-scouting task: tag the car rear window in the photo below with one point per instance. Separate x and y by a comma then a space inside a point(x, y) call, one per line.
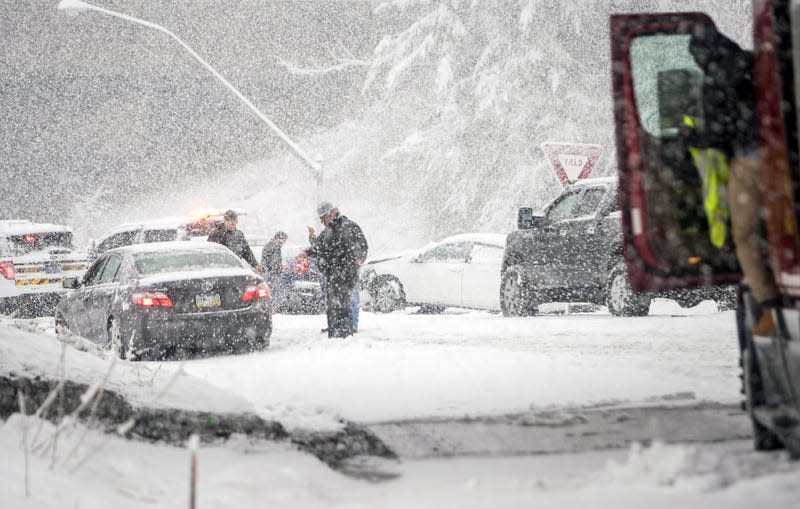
point(28, 242)
point(183, 261)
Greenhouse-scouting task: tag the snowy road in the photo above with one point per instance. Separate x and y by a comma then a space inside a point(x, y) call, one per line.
point(409, 366)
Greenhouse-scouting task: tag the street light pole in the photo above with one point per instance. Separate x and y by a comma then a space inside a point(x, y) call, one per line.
point(78, 5)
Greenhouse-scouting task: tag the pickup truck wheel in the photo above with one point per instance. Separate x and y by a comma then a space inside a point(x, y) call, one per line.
point(387, 295)
point(517, 295)
point(621, 300)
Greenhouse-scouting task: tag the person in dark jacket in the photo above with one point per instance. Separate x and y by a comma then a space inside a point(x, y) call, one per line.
point(271, 256)
point(272, 261)
point(730, 127)
point(339, 250)
point(233, 238)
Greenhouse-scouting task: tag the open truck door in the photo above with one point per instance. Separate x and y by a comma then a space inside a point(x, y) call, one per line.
point(667, 241)
point(657, 95)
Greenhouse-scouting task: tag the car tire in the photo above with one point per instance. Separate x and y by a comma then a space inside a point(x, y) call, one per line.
point(115, 343)
point(261, 342)
point(621, 299)
point(387, 295)
point(517, 295)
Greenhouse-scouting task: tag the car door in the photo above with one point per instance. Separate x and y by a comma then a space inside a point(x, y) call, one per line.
point(480, 286)
point(434, 277)
point(587, 239)
point(79, 301)
point(547, 248)
point(103, 293)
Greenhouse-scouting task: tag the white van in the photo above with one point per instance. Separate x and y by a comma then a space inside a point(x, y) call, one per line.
point(34, 258)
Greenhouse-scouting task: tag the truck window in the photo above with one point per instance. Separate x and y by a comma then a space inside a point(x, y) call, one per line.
point(562, 209)
point(666, 81)
point(589, 202)
point(125, 238)
point(794, 15)
point(163, 235)
point(447, 253)
point(28, 242)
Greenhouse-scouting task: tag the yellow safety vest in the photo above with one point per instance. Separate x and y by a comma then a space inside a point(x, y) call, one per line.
point(715, 173)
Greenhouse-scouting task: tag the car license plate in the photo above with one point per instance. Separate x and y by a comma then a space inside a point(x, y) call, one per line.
point(208, 300)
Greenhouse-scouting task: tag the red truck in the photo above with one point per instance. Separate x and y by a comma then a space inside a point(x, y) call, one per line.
point(655, 83)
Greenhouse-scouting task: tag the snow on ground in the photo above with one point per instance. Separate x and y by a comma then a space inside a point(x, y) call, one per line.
point(402, 366)
point(406, 365)
point(126, 474)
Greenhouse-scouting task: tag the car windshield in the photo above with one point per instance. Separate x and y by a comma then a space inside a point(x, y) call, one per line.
point(39, 241)
point(184, 261)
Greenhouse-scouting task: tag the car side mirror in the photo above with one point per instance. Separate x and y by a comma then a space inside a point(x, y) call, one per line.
point(527, 220)
point(71, 283)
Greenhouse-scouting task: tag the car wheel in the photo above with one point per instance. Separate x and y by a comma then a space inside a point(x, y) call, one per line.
point(516, 295)
point(431, 310)
point(621, 299)
point(387, 295)
point(115, 343)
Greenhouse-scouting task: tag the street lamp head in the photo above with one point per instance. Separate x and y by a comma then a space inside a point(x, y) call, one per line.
point(73, 5)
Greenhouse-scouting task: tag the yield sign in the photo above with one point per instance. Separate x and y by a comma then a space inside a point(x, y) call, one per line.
point(571, 161)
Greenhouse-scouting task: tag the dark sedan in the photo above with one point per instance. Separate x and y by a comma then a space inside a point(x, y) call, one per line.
point(152, 301)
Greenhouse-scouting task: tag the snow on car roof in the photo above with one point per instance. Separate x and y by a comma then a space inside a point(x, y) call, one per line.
point(178, 245)
point(22, 226)
point(164, 222)
point(494, 239)
point(593, 181)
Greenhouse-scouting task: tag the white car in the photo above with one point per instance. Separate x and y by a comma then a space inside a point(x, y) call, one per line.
point(197, 225)
point(459, 271)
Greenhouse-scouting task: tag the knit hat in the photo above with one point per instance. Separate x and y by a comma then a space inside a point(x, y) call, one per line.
point(324, 207)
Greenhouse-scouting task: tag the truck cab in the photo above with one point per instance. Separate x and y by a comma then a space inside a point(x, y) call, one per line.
point(656, 86)
point(34, 259)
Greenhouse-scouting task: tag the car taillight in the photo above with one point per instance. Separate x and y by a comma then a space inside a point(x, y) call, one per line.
point(151, 300)
point(255, 292)
point(301, 266)
point(7, 269)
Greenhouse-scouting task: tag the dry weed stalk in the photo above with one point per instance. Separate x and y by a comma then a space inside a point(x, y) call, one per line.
point(126, 426)
point(23, 412)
